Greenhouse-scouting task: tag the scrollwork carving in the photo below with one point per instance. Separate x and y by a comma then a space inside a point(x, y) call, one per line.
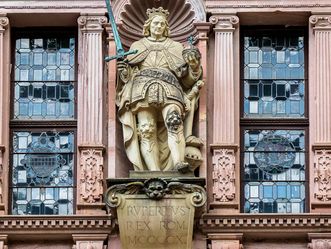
point(320, 244)
point(223, 175)
point(224, 22)
point(92, 22)
point(322, 175)
point(320, 21)
point(91, 175)
point(4, 21)
point(155, 189)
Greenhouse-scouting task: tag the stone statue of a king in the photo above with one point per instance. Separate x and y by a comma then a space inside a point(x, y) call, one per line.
point(157, 95)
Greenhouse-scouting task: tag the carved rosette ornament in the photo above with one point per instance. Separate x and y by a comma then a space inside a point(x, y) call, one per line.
point(91, 175)
point(4, 21)
point(322, 175)
point(224, 175)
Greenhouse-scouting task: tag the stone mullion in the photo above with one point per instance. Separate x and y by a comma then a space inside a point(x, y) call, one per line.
point(225, 123)
point(320, 102)
point(90, 115)
point(4, 21)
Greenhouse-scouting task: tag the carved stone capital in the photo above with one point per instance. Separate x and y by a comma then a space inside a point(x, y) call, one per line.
point(226, 241)
point(224, 23)
point(203, 29)
point(91, 23)
point(319, 240)
point(224, 189)
point(91, 174)
point(322, 175)
point(89, 241)
point(321, 22)
point(4, 21)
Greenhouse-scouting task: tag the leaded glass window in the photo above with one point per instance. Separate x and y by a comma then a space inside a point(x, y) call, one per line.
point(274, 171)
point(274, 120)
point(43, 122)
point(44, 77)
point(274, 75)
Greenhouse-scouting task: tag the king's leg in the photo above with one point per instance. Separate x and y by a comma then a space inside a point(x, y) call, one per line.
point(148, 140)
point(174, 122)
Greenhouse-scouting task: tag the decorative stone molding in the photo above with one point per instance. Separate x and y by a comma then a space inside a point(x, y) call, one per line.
point(4, 21)
point(322, 175)
point(228, 22)
point(91, 175)
point(321, 22)
point(298, 224)
point(319, 241)
point(89, 241)
point(224, 162)
point(226, 241)
point(59, 225)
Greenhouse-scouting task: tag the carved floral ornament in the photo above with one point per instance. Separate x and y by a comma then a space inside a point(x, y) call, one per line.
point(320, 21)
point(224, 22)
point(224, 175)
point(322, 175)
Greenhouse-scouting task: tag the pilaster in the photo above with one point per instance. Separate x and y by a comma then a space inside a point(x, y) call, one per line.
point(89, 241)
point(320, 102)
point(203, 29)
point(90, 114)
point(225, 173)
point(3, 241)
point(226, 241)
point(4, 75)
point(319, 240)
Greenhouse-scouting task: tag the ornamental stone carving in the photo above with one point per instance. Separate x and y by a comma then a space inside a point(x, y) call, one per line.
point(321, 21)
point(224, 22)
point(320, 244)
point(322, 175)
point(93, 23)
point(4, 21)
point(91, 175)
point(224, 175)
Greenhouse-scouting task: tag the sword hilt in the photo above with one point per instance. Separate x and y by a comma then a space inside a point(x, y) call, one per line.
point(120, 55)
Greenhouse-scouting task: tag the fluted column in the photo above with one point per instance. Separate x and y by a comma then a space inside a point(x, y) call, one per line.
point(90, 114)
point(4, 110)
point(225, 174)
point(320, 111)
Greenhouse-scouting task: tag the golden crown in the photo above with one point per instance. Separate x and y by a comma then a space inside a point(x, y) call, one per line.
point(157, 12)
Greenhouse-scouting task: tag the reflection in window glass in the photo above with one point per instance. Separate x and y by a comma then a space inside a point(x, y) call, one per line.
point(274, 171)
point(42, 174)
point(44, 70)
point(274, 75)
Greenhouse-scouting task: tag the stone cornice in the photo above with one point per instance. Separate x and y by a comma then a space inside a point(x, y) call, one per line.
point(299, 224)
point(92, 23)
point(55, 224)
point(46, 4)
point(321, 22)
point(224, 22)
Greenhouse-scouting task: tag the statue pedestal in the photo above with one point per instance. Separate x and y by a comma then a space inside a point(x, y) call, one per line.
point(156, 212)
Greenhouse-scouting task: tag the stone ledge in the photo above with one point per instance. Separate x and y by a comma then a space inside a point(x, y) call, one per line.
point(42, 224)
point(269, 224)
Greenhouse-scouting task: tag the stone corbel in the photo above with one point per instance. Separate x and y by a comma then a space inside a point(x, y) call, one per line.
point(90, 179)
point(224, 190)
point(224, 22)
point(319, 240)
point(89, 241)
point(91, 22)
point(320, 22)
point(226, 241)
point(322, 175)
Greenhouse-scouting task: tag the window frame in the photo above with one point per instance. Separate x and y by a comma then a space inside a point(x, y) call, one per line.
point(41, 125)
point(274, 123)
